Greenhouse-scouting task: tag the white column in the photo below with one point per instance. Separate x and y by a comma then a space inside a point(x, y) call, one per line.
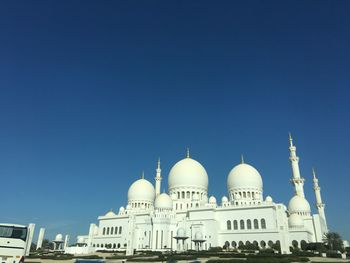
point(297, 180)
point(40, 238)
point(158, 178)
point(319, 205)
point(31, 228)
point(66, 241)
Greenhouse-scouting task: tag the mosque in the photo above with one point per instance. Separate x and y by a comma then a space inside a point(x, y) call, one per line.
point(186, 218)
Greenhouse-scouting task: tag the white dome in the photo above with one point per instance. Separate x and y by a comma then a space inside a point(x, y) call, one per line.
point(80, 240)
point(188, 172)
point(198, 236)
point(224, 199)
point(299, 204)
point(268, 199)
point(141, 190)
point(163, 201)
point(295, 220)
point(128, 207)
point(110, 213)
point(212, 200)
point(121, 209)
point(244, 176)
point(59, 237)
point(181, 232)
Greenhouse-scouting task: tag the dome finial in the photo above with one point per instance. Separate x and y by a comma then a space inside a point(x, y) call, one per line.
point(242, 159)
point(143, 175)
point(188, 153)
point(290, 140)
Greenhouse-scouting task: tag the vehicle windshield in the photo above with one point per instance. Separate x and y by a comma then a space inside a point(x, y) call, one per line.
point(13, 232)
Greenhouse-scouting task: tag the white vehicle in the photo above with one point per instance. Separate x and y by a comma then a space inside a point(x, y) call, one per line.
point(15, 241)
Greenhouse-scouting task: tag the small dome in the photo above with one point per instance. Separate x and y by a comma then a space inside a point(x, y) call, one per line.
point(295, 220)
point(188, 172)
point(212, 200)
point(268, 199)
point(141, 190)
point(80, 240)
point(299, 205)
point(128, 207)
point(244, 176)
point(163, 201)
point(121, 209)
point(181, 232)
point(110, 213)
point(198, 236)
point(59, 237)
point(224, 199)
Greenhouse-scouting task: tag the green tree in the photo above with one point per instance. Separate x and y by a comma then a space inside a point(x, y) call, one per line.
point(334, 241)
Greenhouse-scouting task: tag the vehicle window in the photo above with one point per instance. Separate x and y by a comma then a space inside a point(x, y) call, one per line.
point(13, 232)
point(5, 231)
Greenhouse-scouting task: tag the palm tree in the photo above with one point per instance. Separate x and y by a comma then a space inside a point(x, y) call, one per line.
point(334, 241)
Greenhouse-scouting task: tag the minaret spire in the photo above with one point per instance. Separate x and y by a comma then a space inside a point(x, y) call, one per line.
point(188, 153)
point(297, 180)
point(158, 178)
point(319, 205)
point(242, 158)
point(143, 175)
point(290, 140)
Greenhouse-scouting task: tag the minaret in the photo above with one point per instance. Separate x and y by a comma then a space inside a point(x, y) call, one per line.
point(319, 205)
point(158, 178)
point(297, 180)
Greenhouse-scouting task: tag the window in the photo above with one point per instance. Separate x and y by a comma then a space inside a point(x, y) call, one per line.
point(228, 225)
point(178, 195)
point(104, 231)
point(120, 230)
point(183, 195)
point(263, 223)
point(244, 195)
point(234, 244)
point(256, 224)
point(107, 230)
point(116, 230)
point(235, 224)
point(241, 223)
point(249, 224)
point(13, 232)
point(188, 194)
point(263, 244)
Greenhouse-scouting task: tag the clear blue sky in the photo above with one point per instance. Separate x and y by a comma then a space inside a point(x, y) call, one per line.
point(92, 93)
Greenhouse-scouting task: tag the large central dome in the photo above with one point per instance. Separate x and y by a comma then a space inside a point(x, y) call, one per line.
point(188, 173)
point(244, 176)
